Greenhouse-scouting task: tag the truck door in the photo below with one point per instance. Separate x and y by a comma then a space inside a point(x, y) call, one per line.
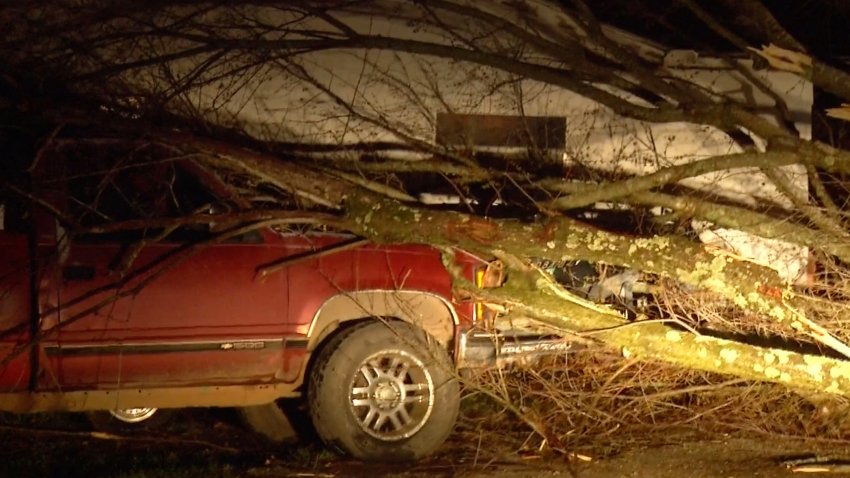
point(14, 302)
point(145, 308)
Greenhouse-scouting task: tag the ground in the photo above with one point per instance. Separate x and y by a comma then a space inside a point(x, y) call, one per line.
point(211, 443)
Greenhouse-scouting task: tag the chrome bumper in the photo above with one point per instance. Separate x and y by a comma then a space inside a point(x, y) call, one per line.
point(478, 349)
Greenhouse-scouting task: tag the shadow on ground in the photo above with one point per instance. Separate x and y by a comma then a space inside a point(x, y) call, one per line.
point(212, 443)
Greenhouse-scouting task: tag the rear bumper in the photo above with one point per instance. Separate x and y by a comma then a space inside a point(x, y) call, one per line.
point(478, 349)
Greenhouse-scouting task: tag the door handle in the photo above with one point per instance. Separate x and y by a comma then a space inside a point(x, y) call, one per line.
point(77, 273)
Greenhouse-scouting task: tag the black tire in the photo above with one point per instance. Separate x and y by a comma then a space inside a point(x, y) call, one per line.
point(118, 421)
point(269, 421)
point(383, 392)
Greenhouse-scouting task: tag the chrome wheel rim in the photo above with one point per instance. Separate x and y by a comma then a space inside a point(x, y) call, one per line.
point(133, 415)
point(392, 395)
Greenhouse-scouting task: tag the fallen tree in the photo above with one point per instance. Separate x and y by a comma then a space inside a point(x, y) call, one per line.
point(531, 292)
point(175, 77)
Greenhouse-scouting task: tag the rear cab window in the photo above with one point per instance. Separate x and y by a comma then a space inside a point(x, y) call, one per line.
point(99, 191)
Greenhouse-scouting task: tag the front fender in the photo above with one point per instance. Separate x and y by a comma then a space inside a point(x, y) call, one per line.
point(426, 310)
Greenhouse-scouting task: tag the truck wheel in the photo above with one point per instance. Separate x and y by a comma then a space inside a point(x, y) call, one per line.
point(128, 419)
point(383, 392)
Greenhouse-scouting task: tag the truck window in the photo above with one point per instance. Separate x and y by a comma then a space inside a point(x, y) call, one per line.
point(143, 190)
point(13, 214)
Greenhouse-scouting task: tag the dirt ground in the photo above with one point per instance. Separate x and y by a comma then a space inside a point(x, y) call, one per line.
point(742, 457)
point(725, 457)
point(212, 444)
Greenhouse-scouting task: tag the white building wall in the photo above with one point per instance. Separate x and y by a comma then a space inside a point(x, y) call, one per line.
point(402, 93)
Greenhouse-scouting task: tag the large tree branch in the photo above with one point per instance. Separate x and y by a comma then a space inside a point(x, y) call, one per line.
point(743, 284)
point(748, 221)
point(593, 193)
point(556, 76)
point(655, 341)
point(562, 239)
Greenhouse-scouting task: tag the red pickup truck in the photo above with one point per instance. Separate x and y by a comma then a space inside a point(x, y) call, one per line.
point(372, 336)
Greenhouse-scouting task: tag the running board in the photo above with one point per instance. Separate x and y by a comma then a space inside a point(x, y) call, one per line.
point(172, 397)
